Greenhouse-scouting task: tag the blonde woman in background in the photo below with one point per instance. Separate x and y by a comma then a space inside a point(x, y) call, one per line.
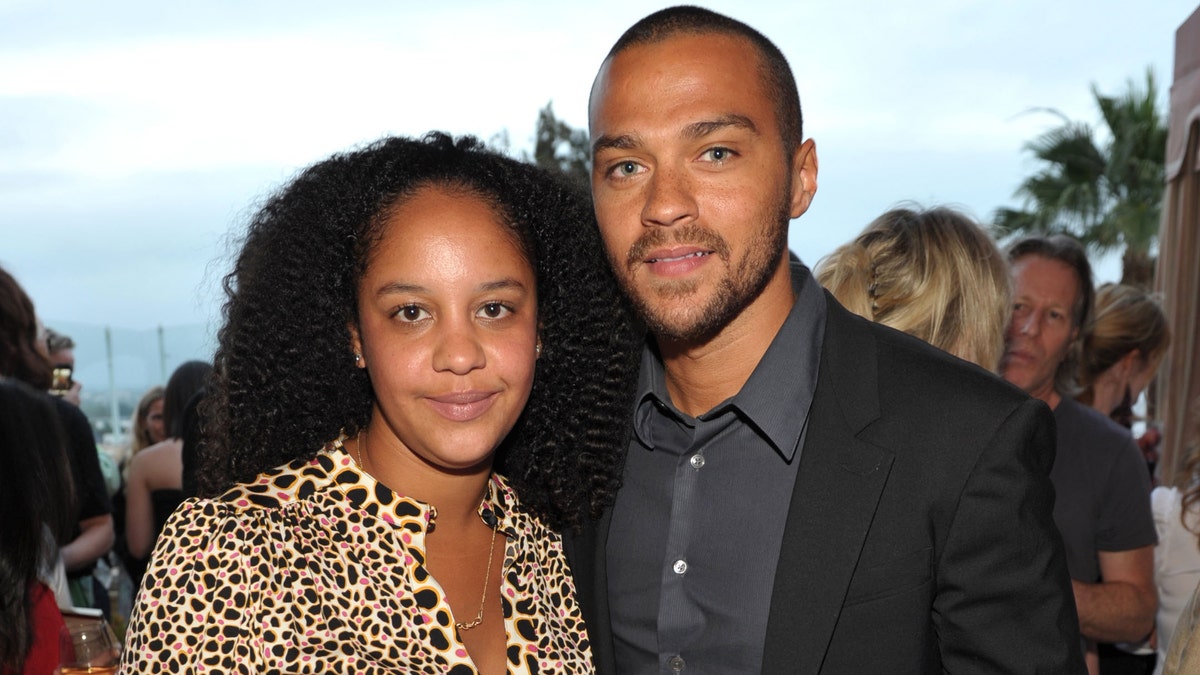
point(932, 273)
point(1123, 348)
point(147, 427)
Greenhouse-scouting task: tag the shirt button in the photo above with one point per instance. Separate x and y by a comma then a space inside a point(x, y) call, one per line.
point(680, 566)
point(696, 461)
point(676, 663)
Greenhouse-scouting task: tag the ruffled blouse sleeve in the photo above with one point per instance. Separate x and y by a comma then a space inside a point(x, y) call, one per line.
point(199, 594)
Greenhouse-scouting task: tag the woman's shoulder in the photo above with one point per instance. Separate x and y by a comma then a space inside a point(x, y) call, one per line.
point(295, 481)
point(515, 518)
point(157, 454)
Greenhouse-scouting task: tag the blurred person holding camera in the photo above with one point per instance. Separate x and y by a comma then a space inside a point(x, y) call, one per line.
point(24, 356)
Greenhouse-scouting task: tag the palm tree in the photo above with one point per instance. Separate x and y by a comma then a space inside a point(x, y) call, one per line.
point(1108, 197)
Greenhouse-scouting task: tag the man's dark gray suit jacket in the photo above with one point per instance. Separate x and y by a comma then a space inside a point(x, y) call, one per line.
point(919, 536)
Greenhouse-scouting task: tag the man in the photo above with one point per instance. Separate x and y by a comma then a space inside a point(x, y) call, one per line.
point(804, 492)
point(62, 357)
point(1103, 491)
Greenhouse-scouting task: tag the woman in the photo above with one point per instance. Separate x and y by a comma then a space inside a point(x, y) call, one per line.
point(1124, 346)
point(146, 427)
point(1177, 561)
point(1178, 628)
point(385, 321)
point(1122, 350)
point(154, 486)
point(934, 274)
point(36, 500)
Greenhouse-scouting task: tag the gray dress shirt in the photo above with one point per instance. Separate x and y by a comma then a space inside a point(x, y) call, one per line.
point(697, 524)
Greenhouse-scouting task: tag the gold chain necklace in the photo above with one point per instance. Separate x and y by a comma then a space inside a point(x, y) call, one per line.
point(360, 441)
point(487, 577)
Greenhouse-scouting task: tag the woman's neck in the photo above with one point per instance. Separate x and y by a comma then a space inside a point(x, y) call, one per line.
point(456, 495)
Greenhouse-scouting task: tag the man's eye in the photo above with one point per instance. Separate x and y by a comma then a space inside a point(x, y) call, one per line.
point(719, 154)
point(626, 169)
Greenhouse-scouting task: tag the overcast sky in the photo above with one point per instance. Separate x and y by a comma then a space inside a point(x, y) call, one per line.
point(135, 137)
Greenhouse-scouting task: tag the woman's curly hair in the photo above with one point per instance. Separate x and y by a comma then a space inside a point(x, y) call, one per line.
point(286, 383)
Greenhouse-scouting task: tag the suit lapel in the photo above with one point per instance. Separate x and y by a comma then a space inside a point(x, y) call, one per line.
point(837, 490)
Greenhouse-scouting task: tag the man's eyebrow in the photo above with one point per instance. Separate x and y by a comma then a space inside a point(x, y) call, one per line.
point(701, 129)
point(694, 130)
point(622, 142)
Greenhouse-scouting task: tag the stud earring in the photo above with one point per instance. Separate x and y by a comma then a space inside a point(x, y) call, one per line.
point(357, 357)
point(537, 349)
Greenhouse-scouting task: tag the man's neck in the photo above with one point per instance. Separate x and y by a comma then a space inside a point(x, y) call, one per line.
point(701, 375)
point(1051, 398)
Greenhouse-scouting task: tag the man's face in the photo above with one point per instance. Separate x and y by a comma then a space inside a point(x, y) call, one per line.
point(693, 188)
point(1042, 328)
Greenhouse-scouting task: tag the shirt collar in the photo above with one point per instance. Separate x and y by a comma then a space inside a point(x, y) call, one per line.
point(780, 388)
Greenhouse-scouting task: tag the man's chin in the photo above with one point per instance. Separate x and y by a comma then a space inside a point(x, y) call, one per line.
point(687, 321)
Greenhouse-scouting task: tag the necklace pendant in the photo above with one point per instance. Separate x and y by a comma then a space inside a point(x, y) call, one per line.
point(464, 627)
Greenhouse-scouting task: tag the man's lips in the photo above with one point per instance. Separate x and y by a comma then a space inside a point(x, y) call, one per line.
point(676, 261)
point(676, 254)
point(1019, 355)
point(462, 406)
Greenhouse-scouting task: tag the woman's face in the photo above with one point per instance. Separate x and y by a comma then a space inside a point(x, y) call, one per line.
point(1142, 372)
point(154, 422)
point(447, 329)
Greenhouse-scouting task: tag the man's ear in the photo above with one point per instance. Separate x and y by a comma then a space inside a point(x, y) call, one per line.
point(803, 177)
point(356, 350)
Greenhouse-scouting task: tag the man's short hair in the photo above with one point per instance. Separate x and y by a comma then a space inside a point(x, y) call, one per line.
point(1068, 251)
point(776, 74)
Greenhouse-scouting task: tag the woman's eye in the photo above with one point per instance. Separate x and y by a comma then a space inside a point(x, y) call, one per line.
point(494, 310)
point(411, 313)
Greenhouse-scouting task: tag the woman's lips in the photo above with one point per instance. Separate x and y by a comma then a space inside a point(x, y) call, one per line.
point(462, 406)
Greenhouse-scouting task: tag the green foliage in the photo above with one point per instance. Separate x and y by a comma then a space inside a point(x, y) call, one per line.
point(559, 147)
point(1110, 196)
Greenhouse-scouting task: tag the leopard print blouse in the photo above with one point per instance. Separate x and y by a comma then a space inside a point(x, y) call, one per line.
point(317, 568)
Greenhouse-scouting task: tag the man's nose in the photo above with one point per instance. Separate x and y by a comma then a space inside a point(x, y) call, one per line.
point(669, 201)
point(1031, 324)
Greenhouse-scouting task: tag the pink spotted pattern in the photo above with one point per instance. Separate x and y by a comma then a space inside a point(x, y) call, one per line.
point(314, 568)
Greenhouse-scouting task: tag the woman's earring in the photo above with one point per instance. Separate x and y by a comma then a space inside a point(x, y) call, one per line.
point(357, 358)
point(537, 349)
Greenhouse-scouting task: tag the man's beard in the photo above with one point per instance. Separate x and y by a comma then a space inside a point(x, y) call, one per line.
point(734, 292)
